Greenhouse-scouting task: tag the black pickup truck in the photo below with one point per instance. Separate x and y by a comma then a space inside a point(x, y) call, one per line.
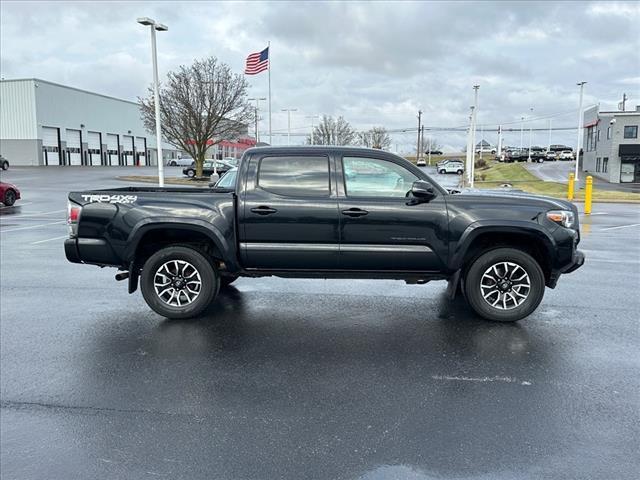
point(326, 212)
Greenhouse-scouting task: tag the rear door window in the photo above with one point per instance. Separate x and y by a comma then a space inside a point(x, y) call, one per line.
point(295, 176)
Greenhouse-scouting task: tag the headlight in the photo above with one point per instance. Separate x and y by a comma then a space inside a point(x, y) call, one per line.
point(566, 218)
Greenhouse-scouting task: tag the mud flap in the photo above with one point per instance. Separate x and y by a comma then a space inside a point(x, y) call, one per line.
point(452, 285)
point(133, 278)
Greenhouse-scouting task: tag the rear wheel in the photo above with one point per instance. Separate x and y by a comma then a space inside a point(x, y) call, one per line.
point(459, 172)
point(504, 285)
point(442, 172)
point(179, 282)
point(9, 198)
point(5, 165)
point(172, 163)
point(191, 173)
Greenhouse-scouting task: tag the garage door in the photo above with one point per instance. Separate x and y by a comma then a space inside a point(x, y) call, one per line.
point(93, 148)
point(50, 146)
point(141, 151)
point(127, 150)
point(74, 147)
point(112, 149)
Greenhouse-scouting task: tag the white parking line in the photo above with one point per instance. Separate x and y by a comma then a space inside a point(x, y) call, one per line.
point(620, 226)
point(49, 239)
point(36, 214)
point(33, 226)
point(14, 206)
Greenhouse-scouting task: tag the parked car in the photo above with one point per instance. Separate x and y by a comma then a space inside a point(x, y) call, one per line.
point(551, 156)
point(486, 149)
point(516, 155)
point(451, 167)
point(444, 162)
point(208, 168)
point(4, 163)
point(421, 163)
point(327, 212)
point(566, 155)
point(434, 152)
point(231, 161)
point(9, 193)
point(181, 162)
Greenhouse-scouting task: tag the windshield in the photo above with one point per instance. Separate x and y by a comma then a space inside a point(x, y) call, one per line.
point(228, 180)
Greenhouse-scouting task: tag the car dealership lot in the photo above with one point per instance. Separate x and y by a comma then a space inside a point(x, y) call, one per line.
point(309, 378)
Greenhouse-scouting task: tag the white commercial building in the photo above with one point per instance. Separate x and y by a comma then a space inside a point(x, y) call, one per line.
point(44, 123)
point(612, 145)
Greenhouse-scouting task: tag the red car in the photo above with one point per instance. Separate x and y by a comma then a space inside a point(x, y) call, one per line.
point(9, 193)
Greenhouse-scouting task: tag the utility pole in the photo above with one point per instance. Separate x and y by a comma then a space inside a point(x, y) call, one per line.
point(581, 85)
point(422, 142)
point(289, 110)
point(621, 105)
point(549, 142)
point(481, 140)
point(419, 128)
point(521, 132)
point(499, 141)
point(256, 112)
point(312, 117)
point(473, 141)
point(529, 158)
point(430, 139)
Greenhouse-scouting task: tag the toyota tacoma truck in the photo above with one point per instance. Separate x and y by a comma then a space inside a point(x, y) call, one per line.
point(326, 212)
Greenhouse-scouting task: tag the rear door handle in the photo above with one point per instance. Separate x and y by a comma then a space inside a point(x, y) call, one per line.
point(354, 212)
point(264, 210)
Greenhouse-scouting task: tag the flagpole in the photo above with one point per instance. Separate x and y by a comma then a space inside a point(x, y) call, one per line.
point(269, 50)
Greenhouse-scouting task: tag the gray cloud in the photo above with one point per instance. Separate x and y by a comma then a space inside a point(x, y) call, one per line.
point(375, 63)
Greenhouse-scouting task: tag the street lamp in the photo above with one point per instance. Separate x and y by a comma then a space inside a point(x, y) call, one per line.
point(521, 132)
point(153, 26)
point(580, 127)
point(289, 110)
point(258, 99)
point(529, 159)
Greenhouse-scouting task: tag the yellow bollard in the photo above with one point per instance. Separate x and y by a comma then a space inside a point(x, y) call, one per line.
point(588, 191)
point(570, 186)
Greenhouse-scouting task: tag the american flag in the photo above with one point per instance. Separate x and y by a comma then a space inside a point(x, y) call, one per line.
point(257, 62)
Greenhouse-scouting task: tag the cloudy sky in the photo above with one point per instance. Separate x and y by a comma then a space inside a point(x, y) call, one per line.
point(374, 63)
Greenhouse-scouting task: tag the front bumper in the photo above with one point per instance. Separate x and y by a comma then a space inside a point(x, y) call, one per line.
point(577, 260)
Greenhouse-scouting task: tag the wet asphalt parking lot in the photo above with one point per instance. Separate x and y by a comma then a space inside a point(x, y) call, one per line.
point(310, 379)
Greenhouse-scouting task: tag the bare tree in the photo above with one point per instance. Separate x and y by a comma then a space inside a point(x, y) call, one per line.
point(377, 137)
point(332, 131)
point(200, 105)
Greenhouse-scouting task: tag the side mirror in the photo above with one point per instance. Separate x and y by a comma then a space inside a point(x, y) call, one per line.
point(423, 191)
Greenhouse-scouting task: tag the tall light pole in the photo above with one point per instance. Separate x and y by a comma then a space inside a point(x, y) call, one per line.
point(467, 168)
point(419, 128)
point(521, 132)
point(289, 110)
point(473, 142)
point(153, 26)
point(257, 100)
point(312, 117)
point(549, 141)
point(580, 126)
point(529, 158)
point(499, 141)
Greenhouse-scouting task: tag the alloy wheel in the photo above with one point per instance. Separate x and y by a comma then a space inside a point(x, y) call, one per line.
point(177, 283)
point(505, 285)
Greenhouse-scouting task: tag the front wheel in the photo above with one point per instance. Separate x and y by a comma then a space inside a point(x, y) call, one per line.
point(172, 163)
point(504, 285)
point(9, 198)
point(5, 165)
point(442, 172)
point(459, 172)
point(191, 173)
point(179, 282)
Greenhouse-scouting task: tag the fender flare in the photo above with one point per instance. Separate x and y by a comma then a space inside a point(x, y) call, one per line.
point(534, 231)
point(225, 246)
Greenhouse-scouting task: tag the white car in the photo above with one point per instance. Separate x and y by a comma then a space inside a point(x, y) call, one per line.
point(551, 155)
point(421, 163)
point(451, 167)
point(180, 162)
point(565, 155)
point(491, 150)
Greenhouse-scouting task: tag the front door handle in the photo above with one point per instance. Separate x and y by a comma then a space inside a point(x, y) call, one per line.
point(264, 210)
point(354, 212)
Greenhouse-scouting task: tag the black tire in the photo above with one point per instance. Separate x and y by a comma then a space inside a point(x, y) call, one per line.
point(191, 173)
point(5, 165)
point(459, 172)
point(442, 172)
point(210, 282)
point(483, 263)
point(9, 198)
point(227, 280)
point(172, 163)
